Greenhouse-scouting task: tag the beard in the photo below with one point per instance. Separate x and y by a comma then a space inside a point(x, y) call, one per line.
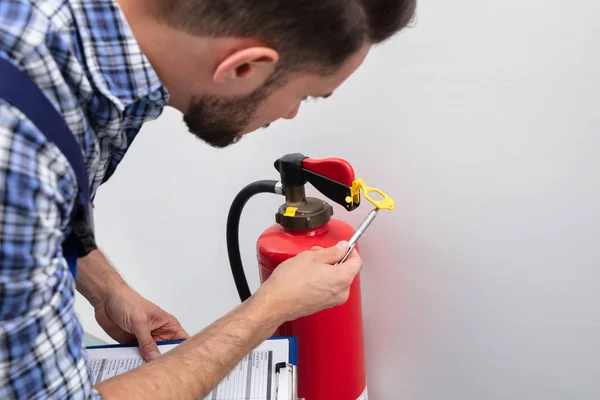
point(220, 122)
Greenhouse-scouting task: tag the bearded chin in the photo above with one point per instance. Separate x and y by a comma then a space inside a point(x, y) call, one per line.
point(218, 138)
point(217, 128)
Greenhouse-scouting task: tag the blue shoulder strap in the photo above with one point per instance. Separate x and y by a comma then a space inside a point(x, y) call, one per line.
point(18, 90)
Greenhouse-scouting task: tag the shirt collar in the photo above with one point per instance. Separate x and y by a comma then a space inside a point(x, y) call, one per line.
point(114, 59)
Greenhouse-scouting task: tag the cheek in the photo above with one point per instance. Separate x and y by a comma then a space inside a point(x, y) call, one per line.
point(275, 108)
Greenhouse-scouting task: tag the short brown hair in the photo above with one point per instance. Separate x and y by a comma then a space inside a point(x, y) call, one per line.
point(307, 34)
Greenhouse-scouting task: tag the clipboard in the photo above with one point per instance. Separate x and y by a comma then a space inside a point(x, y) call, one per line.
point(286, 373)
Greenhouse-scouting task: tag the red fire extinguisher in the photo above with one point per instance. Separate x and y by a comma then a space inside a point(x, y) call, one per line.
point(331, 358)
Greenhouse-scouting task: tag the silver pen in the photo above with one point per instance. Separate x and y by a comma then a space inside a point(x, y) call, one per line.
point(358, 233)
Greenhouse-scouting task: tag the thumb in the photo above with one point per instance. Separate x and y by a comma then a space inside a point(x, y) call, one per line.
point(148, 347)
point(331, 255)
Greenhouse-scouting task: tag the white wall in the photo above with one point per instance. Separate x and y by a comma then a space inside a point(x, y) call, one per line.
point(484, 283)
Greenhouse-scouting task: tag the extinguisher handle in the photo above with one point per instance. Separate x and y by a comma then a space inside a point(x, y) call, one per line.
point(336, 169)
point(333, 177)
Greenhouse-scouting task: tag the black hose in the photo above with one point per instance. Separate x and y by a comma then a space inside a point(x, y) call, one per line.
point(233, 225)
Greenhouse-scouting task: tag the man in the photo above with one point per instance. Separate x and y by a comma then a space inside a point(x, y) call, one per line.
point(107, 66)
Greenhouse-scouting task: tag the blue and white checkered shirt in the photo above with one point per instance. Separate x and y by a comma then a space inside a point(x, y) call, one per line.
point(84, 57)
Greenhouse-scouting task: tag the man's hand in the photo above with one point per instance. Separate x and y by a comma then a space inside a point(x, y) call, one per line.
point(126, 316)
point(310, 282)
point(122, 312)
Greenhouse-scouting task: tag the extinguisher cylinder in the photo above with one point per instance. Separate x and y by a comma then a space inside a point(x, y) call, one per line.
point(331, 360)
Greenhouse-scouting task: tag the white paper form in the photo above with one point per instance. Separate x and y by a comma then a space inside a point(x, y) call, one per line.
point(254, 378)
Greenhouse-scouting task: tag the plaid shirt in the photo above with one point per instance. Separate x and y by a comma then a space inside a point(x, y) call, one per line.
point(84, 57)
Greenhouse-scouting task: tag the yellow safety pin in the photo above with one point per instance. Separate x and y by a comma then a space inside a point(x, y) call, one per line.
point(386, 202)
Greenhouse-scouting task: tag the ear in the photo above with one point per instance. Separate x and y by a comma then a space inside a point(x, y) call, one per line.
point(253, 64)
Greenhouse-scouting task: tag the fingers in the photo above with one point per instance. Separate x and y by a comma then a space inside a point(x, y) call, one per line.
point(174, 326)
point(353, 263)
point(330, 255)
point(182, 334)
point(347, 271)
point(334, 254)
point(148, 347)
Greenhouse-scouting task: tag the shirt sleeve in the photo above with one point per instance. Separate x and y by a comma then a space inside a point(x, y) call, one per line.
point(41, 346)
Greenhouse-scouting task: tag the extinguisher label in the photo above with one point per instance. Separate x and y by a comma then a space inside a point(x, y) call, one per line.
point(364, 395)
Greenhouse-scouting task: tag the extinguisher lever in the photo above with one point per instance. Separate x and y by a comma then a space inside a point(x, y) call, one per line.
point(333, 190)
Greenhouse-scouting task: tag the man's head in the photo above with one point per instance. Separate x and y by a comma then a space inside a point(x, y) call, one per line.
point(233, 66)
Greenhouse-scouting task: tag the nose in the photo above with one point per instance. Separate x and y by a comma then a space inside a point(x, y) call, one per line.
point(292, 114)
